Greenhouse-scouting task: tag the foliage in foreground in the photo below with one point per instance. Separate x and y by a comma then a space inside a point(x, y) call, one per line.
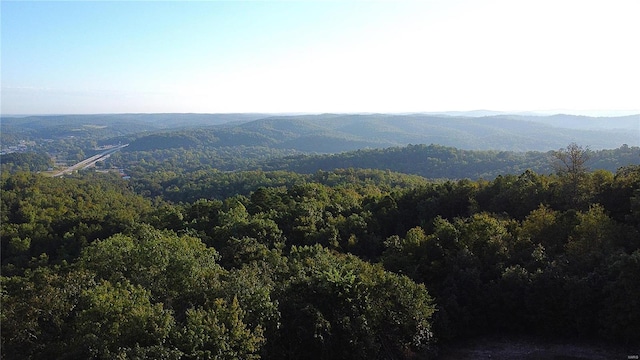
point(326, 267)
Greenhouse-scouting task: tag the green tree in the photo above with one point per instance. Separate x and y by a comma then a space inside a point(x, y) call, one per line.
point(542, 227)
point(340, 307)
point(38, 311)
point(218, 332)
point(571, 165)
point(118, 320)
point(593, 238)
point(620, 313)
point(177, 270)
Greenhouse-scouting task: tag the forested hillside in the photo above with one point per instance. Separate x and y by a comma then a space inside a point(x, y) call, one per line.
point(288, 237)
point(415, 144)
point(332, 133)
point(329, 133)
point(335, 265)
point(438, 162)
point(103, 126)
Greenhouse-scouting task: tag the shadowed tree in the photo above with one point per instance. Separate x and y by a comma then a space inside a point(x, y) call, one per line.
point(570, 164)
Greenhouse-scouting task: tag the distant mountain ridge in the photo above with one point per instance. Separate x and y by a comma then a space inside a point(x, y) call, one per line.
point(332, 133)
point(629, 122)
point(111, 125)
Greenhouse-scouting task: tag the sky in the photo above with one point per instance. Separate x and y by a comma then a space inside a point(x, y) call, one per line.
point(86, 57)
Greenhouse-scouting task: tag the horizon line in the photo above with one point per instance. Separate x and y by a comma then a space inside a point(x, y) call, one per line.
point(477, 112)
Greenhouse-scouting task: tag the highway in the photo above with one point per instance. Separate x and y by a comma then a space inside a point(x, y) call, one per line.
point(90, 161)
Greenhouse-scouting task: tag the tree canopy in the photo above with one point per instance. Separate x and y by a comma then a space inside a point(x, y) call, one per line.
point(334, 265)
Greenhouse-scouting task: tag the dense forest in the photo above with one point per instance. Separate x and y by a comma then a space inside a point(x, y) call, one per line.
point(326, 133)
point(331, 265)
point(461, 147)
point(429, 161)
point(440, 162)
point(247, 236)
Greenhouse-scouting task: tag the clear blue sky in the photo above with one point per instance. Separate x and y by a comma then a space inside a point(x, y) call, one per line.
point(319, 56)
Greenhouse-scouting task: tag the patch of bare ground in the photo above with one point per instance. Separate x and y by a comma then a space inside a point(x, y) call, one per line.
point(505, 348)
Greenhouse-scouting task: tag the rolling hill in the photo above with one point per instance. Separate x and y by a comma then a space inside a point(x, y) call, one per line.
point(331, 133)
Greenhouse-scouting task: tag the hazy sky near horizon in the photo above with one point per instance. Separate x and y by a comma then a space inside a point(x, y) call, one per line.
point(319, 56)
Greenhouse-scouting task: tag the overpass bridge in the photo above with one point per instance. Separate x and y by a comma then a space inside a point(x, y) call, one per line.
point(91, 160)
